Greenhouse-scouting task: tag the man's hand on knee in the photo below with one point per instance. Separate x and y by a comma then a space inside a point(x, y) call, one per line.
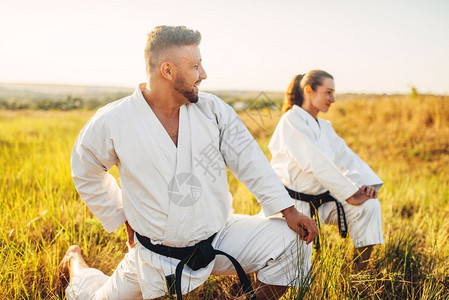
point(304, 226)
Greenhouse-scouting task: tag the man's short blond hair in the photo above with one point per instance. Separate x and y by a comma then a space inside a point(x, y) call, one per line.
point(164, 38)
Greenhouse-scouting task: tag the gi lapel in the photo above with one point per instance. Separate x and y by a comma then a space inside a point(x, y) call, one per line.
point(184, 188)
point(157, 131)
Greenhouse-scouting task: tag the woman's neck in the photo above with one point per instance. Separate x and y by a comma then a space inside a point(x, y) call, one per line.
point(313, 111)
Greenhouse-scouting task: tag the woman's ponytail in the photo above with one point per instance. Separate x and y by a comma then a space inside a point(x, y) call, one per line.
point(294, 94)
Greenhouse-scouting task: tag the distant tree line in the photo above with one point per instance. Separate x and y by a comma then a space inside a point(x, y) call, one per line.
point(258, 101)
point(69, 103)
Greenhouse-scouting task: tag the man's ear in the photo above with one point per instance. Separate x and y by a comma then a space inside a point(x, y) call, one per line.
point(167, 70)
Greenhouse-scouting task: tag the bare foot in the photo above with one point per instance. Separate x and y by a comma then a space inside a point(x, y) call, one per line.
point(71, 263)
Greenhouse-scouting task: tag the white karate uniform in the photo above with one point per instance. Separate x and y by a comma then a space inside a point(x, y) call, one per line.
point(311, 158)
point(178, 196)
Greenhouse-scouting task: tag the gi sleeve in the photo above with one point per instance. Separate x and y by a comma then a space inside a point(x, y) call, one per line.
point(298, 141)
point(92, 157)
point(352, 165)
point(246, 161)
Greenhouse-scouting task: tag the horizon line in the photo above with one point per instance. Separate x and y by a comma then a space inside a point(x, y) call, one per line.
point(125, 86)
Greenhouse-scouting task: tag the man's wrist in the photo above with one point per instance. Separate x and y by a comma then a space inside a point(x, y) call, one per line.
point(287, 211)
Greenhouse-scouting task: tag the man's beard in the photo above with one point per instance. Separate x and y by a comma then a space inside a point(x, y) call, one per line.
point(180, 86)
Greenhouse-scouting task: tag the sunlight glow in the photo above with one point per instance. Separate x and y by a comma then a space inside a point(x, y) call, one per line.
point(380, 46)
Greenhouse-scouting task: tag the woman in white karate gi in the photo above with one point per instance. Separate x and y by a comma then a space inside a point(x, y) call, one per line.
point(310, 158)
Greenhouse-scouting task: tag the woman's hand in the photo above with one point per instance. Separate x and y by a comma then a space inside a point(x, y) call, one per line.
point(364, 193)
point(130, 231)
point(304, 226)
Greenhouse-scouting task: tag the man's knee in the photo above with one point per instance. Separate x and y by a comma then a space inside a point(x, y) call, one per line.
point(292, 264)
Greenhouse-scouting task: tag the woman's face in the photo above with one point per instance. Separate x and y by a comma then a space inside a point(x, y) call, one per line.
point(323, 97)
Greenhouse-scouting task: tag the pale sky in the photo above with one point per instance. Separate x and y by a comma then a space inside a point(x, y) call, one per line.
point(369, 46)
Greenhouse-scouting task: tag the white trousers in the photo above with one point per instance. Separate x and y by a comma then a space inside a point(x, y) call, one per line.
point(263, 245)
point(364, 221)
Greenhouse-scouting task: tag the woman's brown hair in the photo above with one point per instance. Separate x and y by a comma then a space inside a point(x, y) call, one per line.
point(295, 91)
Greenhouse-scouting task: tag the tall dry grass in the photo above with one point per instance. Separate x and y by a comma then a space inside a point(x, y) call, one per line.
point(406, 141)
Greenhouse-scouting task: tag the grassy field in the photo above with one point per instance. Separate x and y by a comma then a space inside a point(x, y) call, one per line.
point(405, 140)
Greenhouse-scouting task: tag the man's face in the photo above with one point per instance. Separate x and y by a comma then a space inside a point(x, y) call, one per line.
point(190, 73)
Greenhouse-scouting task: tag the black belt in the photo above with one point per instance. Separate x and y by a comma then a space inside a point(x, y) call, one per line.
point(196, 257)
point(315, 201)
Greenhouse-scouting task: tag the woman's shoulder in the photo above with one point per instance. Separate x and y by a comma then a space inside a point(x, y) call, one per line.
point(296, 114)
point(295, 124)
point(294, 119)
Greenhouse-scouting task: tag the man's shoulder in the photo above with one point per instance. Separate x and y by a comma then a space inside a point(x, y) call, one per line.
point(211, 102)
point(113, 109)
point(117, 104)
point(204, 97)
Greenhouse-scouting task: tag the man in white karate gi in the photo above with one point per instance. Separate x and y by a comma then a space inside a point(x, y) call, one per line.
point(172, 145)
